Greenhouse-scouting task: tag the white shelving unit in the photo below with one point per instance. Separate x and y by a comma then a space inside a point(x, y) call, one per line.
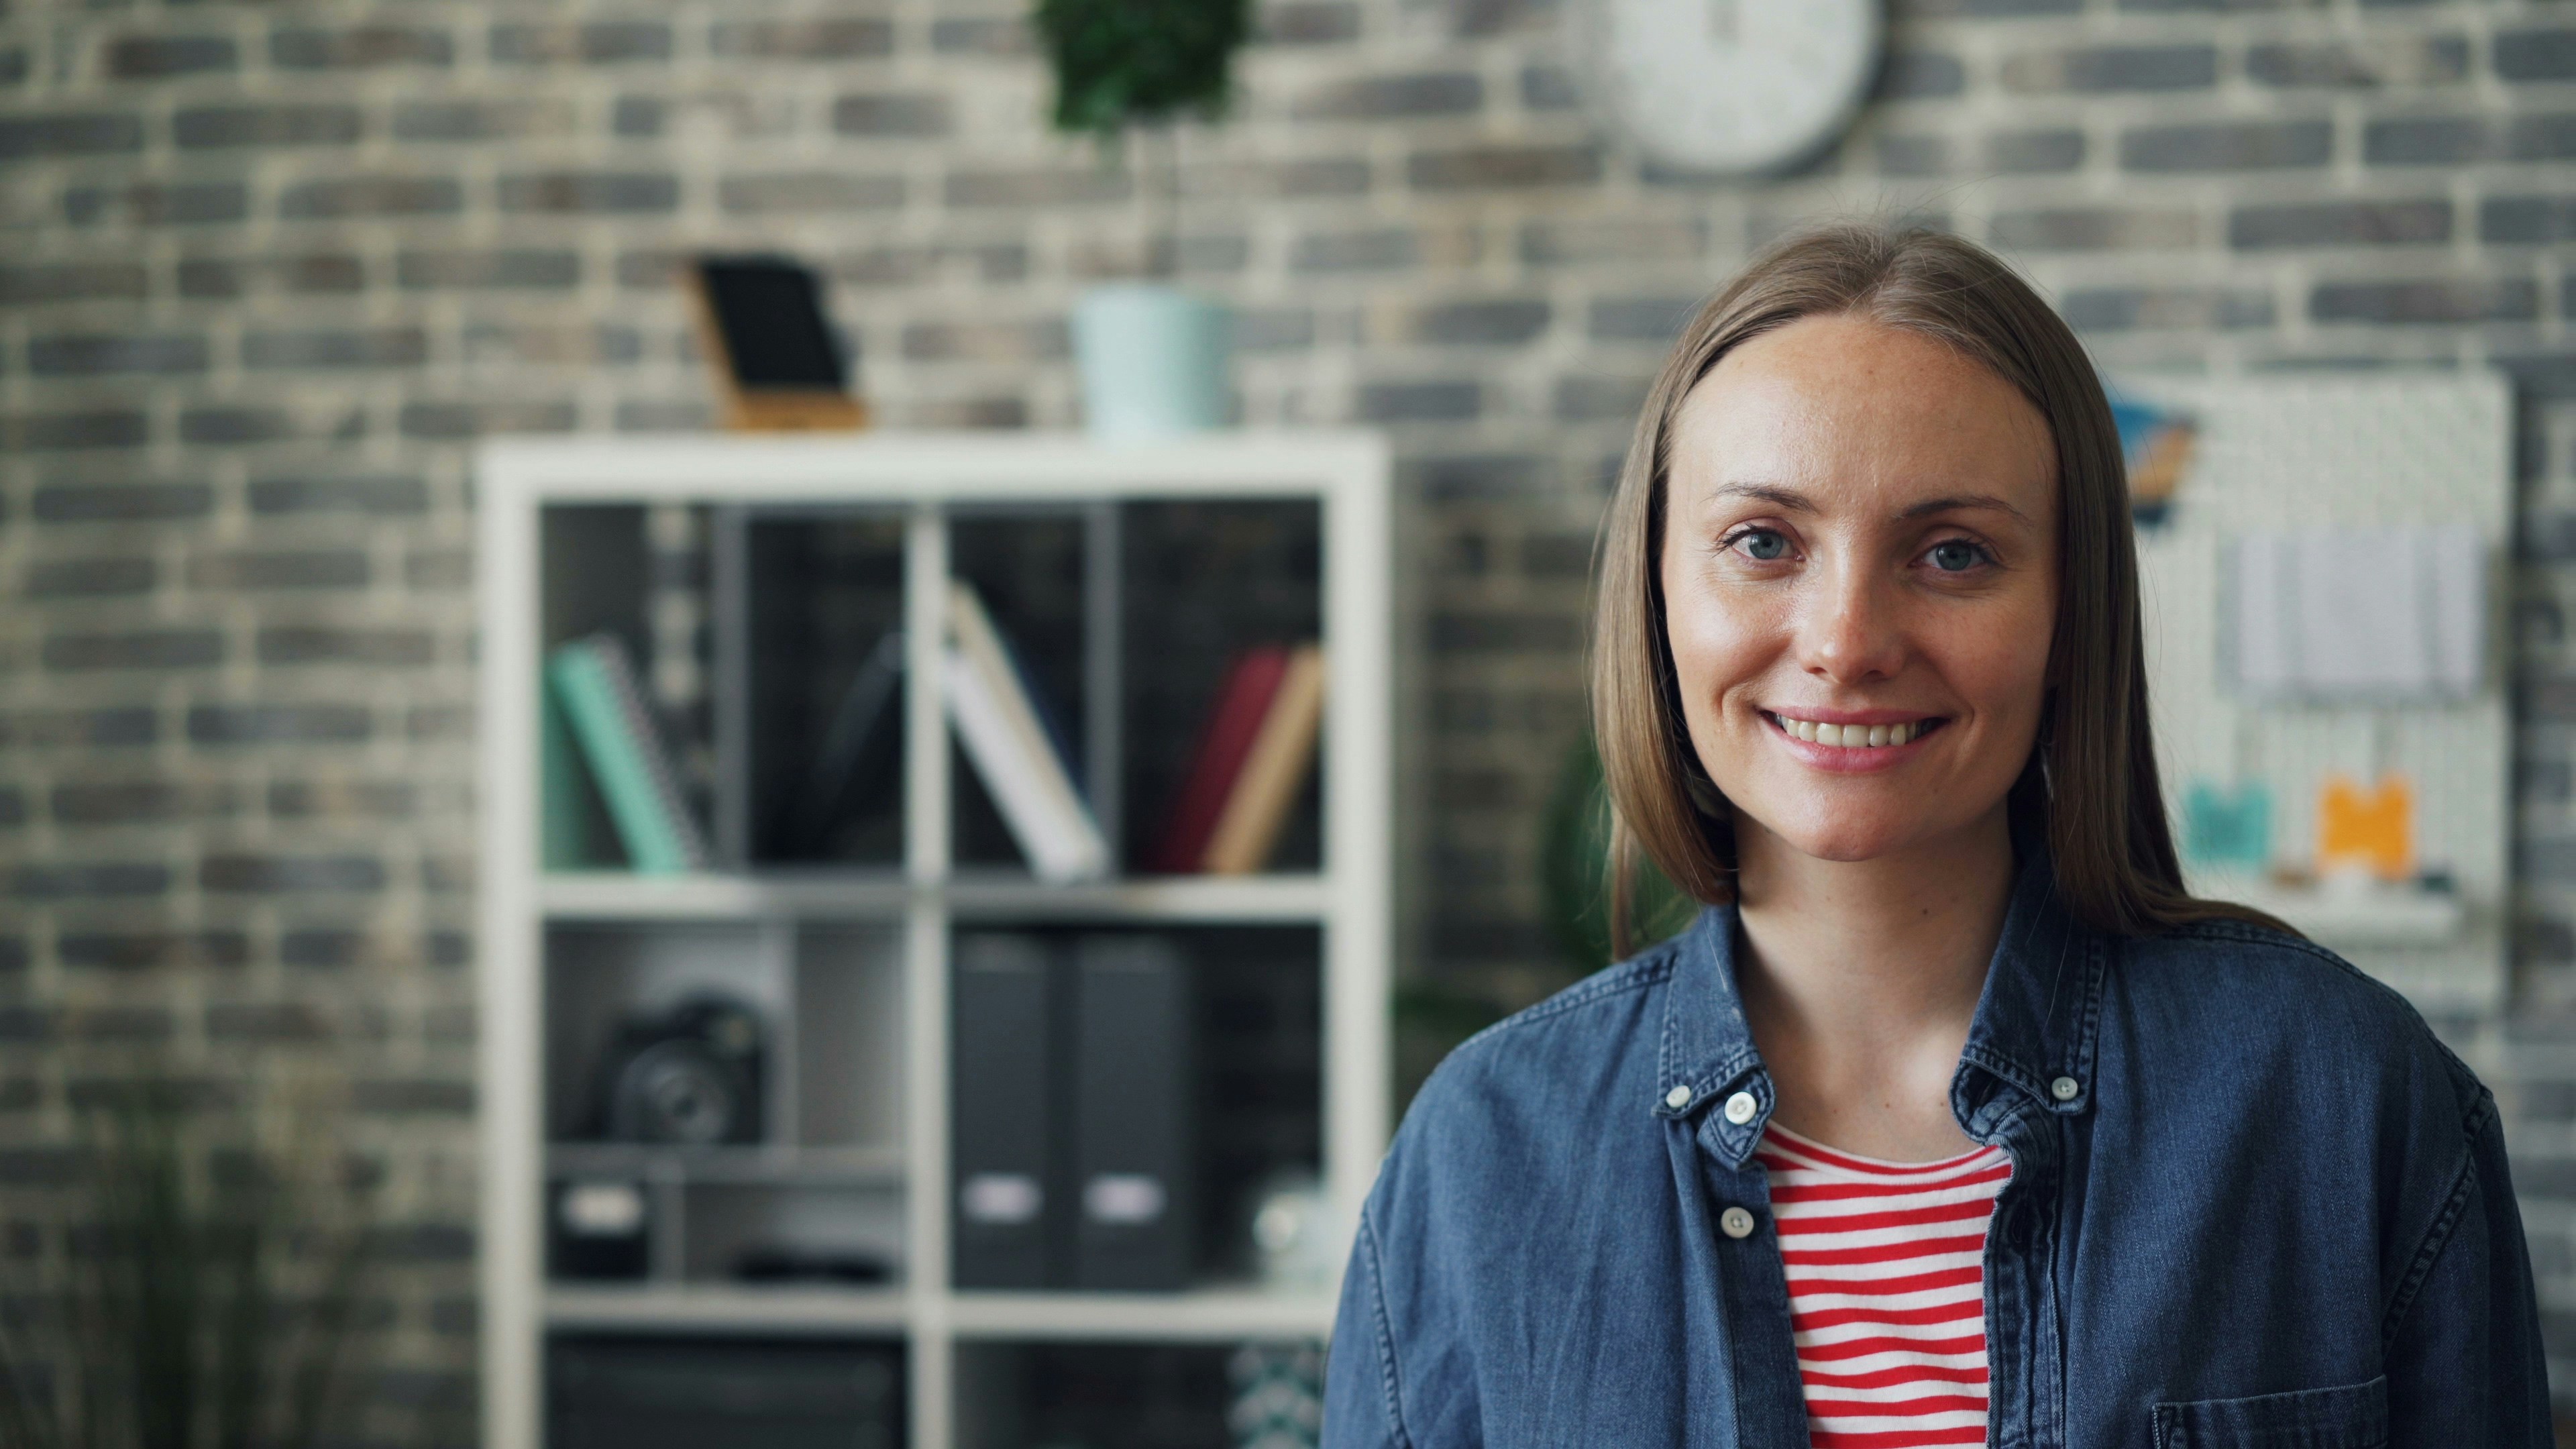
point(906, 913)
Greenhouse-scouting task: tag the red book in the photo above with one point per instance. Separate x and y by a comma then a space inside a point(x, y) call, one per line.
point(1242, 702)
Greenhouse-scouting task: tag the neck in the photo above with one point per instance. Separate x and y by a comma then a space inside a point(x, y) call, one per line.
point(1861, 979)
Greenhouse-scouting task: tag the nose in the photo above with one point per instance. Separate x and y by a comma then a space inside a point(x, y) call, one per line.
point(1848, 631)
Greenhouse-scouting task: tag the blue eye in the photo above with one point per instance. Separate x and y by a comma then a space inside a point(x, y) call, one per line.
point(1955, 556)
point(1762, 543)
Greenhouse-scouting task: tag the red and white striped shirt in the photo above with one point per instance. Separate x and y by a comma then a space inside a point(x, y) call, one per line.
point(1886, 1265)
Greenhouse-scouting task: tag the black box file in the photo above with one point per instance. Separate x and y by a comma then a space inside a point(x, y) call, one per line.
point(1006, 1203)
point(687, 1393)
point(1131, 1101)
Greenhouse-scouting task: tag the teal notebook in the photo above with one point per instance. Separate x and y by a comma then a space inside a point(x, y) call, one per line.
point(595, 682)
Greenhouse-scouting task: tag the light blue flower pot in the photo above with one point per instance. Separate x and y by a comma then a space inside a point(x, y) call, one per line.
point(1153, 360)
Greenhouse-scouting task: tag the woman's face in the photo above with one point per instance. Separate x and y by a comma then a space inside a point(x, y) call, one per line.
point(1860, 584)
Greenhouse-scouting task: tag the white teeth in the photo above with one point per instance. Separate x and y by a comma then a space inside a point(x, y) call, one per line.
point(1852, 737)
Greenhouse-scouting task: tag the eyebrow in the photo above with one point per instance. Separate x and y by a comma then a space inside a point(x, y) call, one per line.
point(1798, 502)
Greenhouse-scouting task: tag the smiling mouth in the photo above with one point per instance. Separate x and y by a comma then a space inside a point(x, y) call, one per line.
point(1853, 737)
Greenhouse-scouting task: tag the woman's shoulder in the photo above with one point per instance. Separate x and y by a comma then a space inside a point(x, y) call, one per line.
point(2231, 988)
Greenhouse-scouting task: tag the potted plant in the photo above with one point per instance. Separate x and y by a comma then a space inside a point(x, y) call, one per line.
point(1152, 357)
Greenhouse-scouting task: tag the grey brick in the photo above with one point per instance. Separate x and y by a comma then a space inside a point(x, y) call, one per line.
point(2341, 223)
point(267, 1021)
point(135, 649)
point(2035, 152)
point(598, 42)
point(992, 35)
point(266, 724)
point(130, 950)
point(1482, 168)
point(2095, 228)
point(81, 728)
point(1376, 250)
point(343, 799)
point(1575, 243)
point(217, 127)
point(70, 133)
point(1524, 632)
point(2227, 146)
point(56, 880)
point(1593, 397)
point(120, 1023)
point(613, 193)
point(1050, 186)
point(314, 644)
point(1549, 88)
point(243, 571)
point(1452, 400)
point(372, 196)
point(2427, 141)
point(412, 1097)
point(1505, 321)
point(1912, 75)
point(912, 114)
point(283, 874)
point(90, 578)
point(86, 502)
point(2527, 220)
point(74, 431)
point(157, 57)
point(1311, 176)
point(2102, 69)
point(810, 191)
point(2121, 309)
point(359, 47)
point(313, 949)
point(35, 284)
point(1471, 19)
point(13, 65)
point(507, 268)
point(127, 802)
point(235, 426)
point(495, 119)
point(389, 494)
point(157, 203)
point(29, 1025)
point(2360, 64)
point(304, 273)
point(2509, 299)
point(97, 354)
point(1392, 97)
point(1991, 9)
point(828, 39)
point(335, 349)
point(1642, 319)
point(456, 420)
point(1034, 341)
point(39, 1166)
point(2541, 138)
point(1309, 22)
point(1902, 154)
point(2536, 53)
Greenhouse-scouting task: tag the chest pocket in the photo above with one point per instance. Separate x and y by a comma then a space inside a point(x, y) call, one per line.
point(2347, 1418)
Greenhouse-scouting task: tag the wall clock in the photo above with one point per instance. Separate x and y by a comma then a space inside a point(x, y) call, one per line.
point(1734, 86)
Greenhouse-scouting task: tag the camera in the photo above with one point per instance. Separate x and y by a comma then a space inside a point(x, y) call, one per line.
point(689, 1076)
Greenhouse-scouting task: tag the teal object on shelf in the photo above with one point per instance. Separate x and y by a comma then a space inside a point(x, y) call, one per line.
point(1153, 360)
point(2228, 828)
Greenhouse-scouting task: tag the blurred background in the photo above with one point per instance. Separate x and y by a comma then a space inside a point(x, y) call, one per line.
point(269, 272)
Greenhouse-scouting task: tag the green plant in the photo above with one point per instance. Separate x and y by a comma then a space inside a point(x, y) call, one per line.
point(1124, 62)
point(1575, 871)
point(206, 1288)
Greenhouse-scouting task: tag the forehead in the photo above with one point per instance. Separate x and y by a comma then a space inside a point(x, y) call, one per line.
point(1852, 410)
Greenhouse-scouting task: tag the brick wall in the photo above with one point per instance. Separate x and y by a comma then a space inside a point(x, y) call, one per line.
point(269, 270)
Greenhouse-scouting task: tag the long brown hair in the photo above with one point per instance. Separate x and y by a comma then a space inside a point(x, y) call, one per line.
point(2092, 775)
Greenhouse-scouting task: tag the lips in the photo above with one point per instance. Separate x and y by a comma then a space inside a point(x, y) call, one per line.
point(1855, 734)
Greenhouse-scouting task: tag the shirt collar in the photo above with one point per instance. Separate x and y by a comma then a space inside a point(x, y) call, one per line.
point(2033, 1032)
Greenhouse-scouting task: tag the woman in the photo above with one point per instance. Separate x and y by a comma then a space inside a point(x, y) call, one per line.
point(1953, 1120)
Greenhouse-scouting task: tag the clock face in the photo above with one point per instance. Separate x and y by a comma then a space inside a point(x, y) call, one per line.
point(1732, 85)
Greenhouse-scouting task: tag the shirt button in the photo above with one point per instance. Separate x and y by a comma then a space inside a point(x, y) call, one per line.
point(1677, 1098)
point(1741, 1107)
point(2064, 1089)
point(1735, 1222)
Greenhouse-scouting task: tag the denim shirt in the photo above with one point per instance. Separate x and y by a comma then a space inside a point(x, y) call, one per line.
point(2254, 1203)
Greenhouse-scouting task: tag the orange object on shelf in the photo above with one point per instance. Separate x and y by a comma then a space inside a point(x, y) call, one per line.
point(2373, 828)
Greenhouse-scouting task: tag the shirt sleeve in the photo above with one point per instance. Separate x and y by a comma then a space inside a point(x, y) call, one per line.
point(2464, 1355)
point(1361, 1410)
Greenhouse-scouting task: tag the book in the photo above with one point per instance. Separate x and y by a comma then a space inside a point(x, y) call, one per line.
point(594, 680)
point(1005, 1127)
point(1242, 701)
point(999, 726)
point(858, 746)
point(1274, 770)
point(1131, 1069)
